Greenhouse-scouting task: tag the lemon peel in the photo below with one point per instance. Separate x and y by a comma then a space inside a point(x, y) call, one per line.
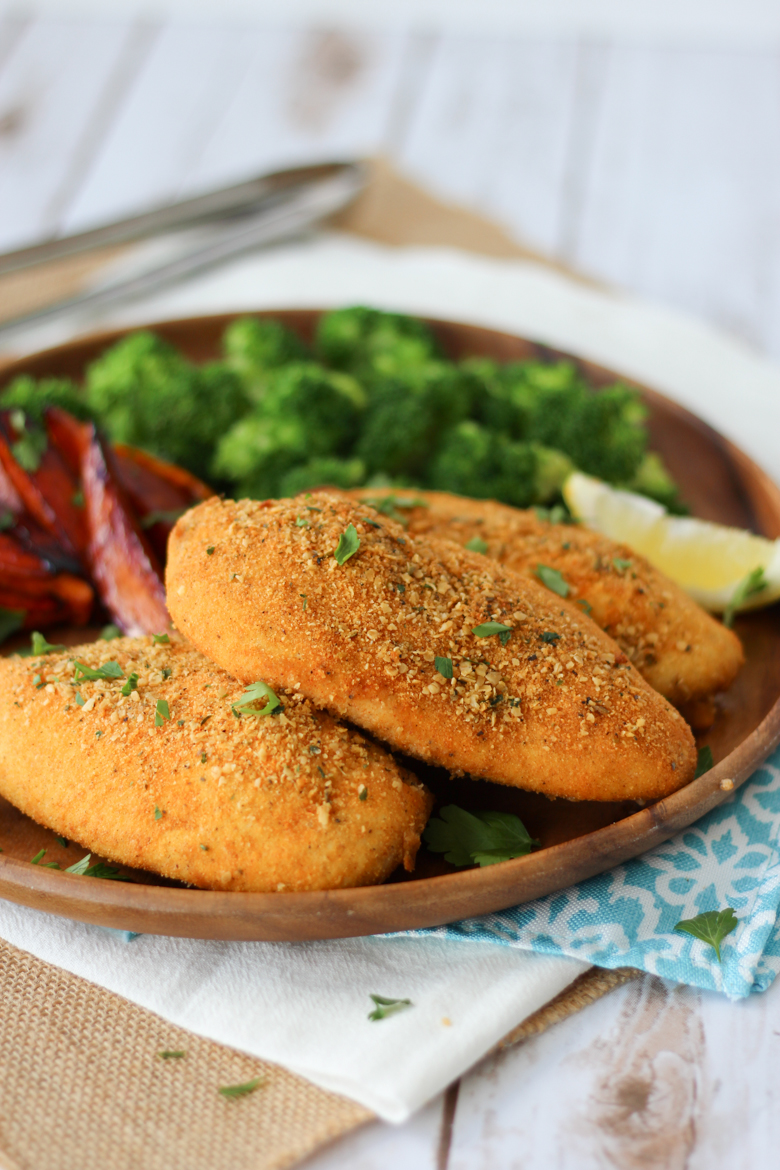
point(709, 561)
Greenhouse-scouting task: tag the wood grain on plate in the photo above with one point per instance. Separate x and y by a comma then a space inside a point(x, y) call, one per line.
point(579, 840)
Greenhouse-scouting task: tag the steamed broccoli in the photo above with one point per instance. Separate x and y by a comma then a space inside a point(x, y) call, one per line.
point(254, 346)
point(323, 472)
point(406, 414)
point(368, 342)
point(144, 392)
point(473, 461)
point(33, 396)
point(327, 403)
point(552, 404)
point(256, 452)
point(653, 480)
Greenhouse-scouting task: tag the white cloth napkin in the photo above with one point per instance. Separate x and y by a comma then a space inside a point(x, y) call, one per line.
point(305, 1005)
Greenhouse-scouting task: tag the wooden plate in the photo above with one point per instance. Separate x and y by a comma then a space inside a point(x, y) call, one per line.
point(579, 840)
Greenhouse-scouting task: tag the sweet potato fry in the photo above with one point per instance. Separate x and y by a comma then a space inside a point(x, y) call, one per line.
point(45, 484)
point(159, 492)
point(124, 567)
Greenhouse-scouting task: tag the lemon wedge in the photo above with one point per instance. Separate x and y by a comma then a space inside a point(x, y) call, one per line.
point(724, 569)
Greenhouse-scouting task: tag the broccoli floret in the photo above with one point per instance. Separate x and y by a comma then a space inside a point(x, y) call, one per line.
point(492, 404)
point(325, 472)
point(406, 415)
point(33, 396)
point(368, 342)
point(653, 480)
point(254, 346)
point(328, 403)
point(473, 461)
point(256, 452)
point(553, 405)
point(144, 392)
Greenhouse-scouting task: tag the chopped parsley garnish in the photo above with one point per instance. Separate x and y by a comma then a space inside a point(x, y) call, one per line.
point(168, 1055)
point(305, 601)
point(233, 1091)
point(391, 506)
point(161, 712)
point(38, 681)
point(384, 1007)
point(110, 632)
point(210, 551)
point(158, 812)
point(704, 761)
point(62, 841)
point(257, 692)
point(482, 838)
point(203, 757)
point(588, 608)
point(550, 637)
point(444, 666)
point(620, 564)
point(41, 646)
point(160, 640)
point(558, 514)
point(711, 927)
point(98, 734)
point(488, 629)
point(349, 543)
point(7, 520)
point(84, 673)
point(477, 544)
point(363, 793)
point(373, 523)
point(29, 448)
point(166, 672)
point(38, 857)
point(80, 700)
point(301, 522)
point(553, 580)
point(131, 684)
point(749, 586)
point(98, 870)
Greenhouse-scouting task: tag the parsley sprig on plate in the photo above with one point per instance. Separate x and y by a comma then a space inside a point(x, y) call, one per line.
point(482, 838)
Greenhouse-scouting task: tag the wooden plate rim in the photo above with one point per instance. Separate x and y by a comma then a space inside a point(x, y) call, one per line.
point(406, 905)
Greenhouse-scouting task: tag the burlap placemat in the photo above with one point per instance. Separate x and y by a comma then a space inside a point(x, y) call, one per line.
point(82, 1081)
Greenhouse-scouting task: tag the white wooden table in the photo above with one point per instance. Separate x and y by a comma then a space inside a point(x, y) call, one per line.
point(655, 169)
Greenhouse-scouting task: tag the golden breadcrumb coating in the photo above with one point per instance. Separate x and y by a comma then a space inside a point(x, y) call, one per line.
point(292, 801)
point(680, 649)
point(557, 708)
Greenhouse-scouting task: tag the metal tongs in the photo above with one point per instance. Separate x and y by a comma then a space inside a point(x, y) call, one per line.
point(259, 211)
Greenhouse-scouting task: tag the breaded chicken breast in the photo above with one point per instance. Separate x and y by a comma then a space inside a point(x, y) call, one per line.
point(681, 650)
point(372, 622)
point(150, 755)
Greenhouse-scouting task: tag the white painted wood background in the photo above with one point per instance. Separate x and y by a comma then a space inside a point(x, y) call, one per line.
point(657, 169)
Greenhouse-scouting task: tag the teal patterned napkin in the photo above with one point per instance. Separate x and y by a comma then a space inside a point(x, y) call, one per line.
point(626, 917)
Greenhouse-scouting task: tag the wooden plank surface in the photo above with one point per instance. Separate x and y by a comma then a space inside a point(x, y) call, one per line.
point(656, 168)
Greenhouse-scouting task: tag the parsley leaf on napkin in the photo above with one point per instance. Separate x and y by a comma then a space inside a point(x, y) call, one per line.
point(711, 927)
point(482, 838)
point(384, 1007)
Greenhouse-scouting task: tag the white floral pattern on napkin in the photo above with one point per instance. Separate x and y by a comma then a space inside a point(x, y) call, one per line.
point(626, 917)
